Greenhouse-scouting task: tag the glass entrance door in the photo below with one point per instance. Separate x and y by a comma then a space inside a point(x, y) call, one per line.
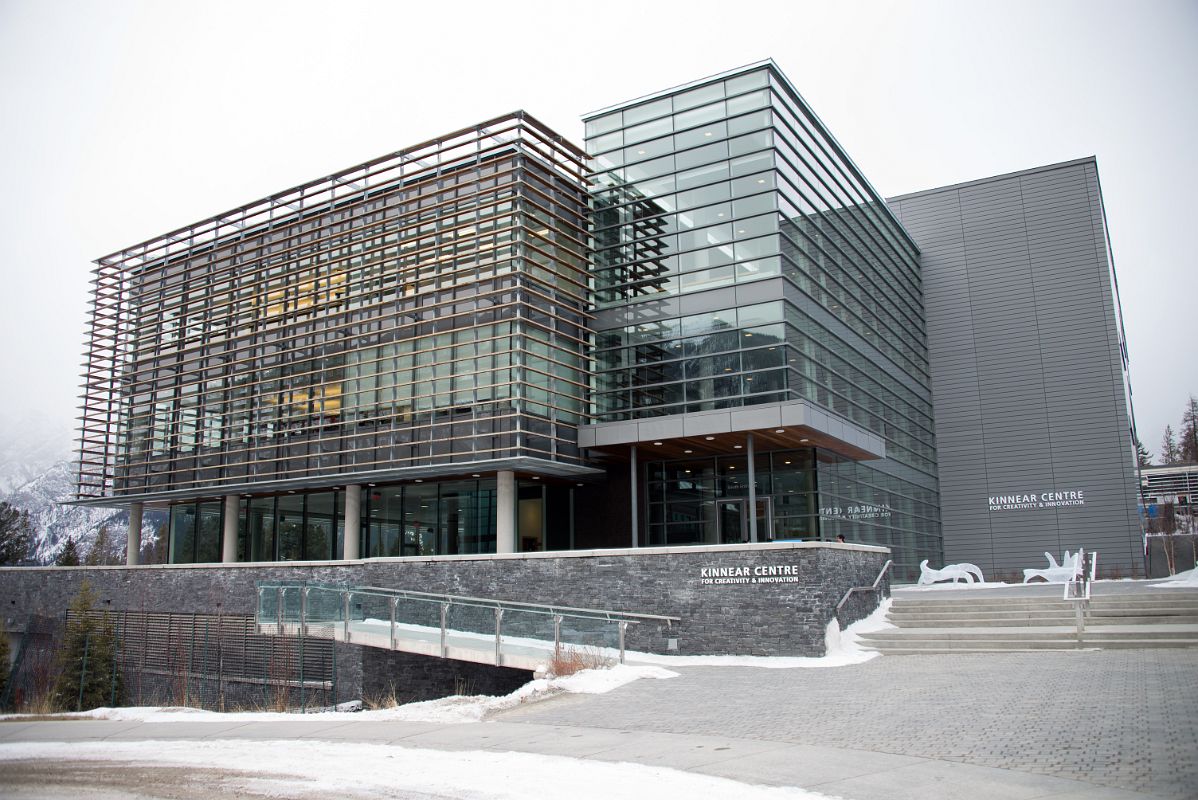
point(765, 519)
point(733, 527)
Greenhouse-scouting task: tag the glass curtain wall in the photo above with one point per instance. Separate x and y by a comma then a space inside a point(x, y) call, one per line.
point(734, 181)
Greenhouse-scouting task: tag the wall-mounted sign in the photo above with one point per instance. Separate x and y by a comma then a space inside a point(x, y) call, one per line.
point(762, 573)
point(863, 511)
point(1036, 500)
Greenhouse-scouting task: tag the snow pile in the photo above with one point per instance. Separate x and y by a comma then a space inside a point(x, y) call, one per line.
point(454, 709)
point(343, 769)
point(950, 586)
point(1182, 580)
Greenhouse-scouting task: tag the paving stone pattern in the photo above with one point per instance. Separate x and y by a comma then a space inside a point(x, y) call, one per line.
point(1126, 719)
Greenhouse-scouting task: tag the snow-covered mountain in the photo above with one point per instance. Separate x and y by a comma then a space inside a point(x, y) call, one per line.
point(37, 472)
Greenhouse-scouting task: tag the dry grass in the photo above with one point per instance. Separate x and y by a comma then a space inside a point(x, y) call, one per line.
point(569, 660)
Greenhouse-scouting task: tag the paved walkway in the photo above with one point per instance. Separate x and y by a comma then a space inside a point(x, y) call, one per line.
point(1118, 725)
point(1122, 719)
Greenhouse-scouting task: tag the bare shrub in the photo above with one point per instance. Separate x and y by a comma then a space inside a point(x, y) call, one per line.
point(569, 660)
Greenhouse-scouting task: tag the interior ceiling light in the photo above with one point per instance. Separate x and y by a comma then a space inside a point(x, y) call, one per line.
point(804, 440)
point(536, 477)
point(688, 451)
point(657, 443)
point(738, 446)
point(780, 430)
point(709, 438)
point(420, 480)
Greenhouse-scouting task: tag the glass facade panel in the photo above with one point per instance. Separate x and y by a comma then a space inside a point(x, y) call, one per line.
point(769, 196)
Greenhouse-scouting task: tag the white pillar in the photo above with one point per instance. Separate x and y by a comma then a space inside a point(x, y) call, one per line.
point(505, 511)
point(133, 542)
point(353, 522)
point(229, 540)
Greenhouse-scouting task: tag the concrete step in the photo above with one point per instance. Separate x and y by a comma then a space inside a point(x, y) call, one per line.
point(1022, 622)
point(1043, 633)
point(929, 648)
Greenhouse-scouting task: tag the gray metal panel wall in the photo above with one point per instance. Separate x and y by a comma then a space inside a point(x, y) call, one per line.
point(1027, 378)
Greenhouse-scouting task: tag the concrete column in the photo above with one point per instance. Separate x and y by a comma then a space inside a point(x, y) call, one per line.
point(752, 492)
point(632, 477)
point(505, 511)
point(229, 540)
point(133, 542)
point(353, 522)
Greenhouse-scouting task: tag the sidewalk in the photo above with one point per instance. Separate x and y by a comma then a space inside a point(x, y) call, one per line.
point(857, 774)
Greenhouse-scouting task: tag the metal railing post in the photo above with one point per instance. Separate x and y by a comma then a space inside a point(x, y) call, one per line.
point(394, 603)
point(557, 636)
point(258, 615)
point(623, 630)
point(345, 617)
point(498, 635)
point(303, 619)
point(279, 612)
point(444, 619)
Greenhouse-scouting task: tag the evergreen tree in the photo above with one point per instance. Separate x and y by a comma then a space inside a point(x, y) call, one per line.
point(1170, 454)
point(16, 535)
point(1143, 457)
point(85, 675)
point(1188, 444)
point(68, 556)
point(104, 550)
point(5, 659)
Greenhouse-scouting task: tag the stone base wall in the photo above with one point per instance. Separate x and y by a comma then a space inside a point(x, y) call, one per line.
point(411, 678)
point(768, 599)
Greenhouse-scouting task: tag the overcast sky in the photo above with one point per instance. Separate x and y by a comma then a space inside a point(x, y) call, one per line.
point(122, 120)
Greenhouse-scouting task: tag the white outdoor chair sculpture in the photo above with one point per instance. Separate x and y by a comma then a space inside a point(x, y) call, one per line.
point(1056, 573)
point(953, 572)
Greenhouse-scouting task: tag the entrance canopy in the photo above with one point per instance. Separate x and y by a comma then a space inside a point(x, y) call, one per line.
point(775, 426)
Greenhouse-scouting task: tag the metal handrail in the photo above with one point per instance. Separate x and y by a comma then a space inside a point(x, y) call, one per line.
point(481, 602)
point(873, 588)
point(346, 594)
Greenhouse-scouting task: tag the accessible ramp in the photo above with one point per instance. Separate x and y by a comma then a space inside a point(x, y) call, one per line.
point(481, 630)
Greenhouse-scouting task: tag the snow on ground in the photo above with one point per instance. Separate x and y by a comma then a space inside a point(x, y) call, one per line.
point(459, 708)
point(338, 769)
point(1182, 580)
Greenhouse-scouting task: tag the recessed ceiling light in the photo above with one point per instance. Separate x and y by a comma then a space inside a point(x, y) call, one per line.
point(780, 430)
point(536, 477)
point(804, 440)
point(688, 472)
point(474, 475)
point(420, 480)
point(657, 443)
point(731, 467)
point(785, 462)
point(709, 438)
point(370, 484)
point(688, 451)
point(738, 446)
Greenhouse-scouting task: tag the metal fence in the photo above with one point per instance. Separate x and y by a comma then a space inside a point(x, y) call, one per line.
point(211, 661)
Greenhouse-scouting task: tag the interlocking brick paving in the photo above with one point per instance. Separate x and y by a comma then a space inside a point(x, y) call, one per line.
point(1118, 718)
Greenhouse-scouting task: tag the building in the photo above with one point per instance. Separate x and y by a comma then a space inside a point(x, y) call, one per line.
point(382, 362)
point(1168, 499)
point(759, 326)
point(1029, 364)
point(706, 328)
